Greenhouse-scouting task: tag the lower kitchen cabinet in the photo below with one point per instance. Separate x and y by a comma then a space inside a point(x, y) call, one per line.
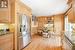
point(6, 42)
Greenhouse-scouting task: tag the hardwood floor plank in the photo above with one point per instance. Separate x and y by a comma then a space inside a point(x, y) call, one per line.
point(40, 43)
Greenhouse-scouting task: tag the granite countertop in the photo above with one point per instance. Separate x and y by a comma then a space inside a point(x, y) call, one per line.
point(71, 39)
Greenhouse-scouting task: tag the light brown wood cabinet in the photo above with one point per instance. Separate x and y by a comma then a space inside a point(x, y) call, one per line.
point(6, 14)
point(71, 16)
point(6, 42)
point(71, 13)
point(69, 1)
point(42, 20)
point(58, 23)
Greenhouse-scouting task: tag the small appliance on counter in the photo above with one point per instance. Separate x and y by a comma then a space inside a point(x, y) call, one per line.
point(4, 31)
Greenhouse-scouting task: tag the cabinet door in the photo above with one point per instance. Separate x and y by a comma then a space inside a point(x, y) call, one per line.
point(41, 22)
point(6, 42)
point(74, 8)
point(71, 16)
point(5, 14)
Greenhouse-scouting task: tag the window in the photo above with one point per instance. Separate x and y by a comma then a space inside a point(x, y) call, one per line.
point(68, 25)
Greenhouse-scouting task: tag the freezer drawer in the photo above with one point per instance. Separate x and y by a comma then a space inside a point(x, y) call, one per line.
point(23, 41)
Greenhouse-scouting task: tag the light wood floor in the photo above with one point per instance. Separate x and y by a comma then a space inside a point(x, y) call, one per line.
point(40, 43)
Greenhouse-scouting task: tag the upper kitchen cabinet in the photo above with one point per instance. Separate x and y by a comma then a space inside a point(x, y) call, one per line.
point(59, 23)
point(71, 13)
point(5, 11)
point(71, 17)
point(74, 7)
point(21, 8)
point(43, 21)
point(69, 1)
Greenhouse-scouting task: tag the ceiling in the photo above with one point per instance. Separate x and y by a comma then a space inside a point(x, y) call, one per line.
point(47, 7)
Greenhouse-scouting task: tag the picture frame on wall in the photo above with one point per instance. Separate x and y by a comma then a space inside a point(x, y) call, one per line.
point(34, 20)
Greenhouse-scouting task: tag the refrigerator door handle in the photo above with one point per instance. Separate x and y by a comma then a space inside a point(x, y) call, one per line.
point(20, 29)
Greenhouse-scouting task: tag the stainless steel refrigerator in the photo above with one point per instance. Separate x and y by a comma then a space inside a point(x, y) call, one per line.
point(24, 37)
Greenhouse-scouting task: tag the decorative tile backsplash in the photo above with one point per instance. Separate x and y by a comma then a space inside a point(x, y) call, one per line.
point(11, 27)
point(3, 26)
